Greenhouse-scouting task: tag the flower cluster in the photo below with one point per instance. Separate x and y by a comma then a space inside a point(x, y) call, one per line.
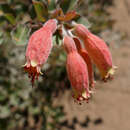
point(83, 50)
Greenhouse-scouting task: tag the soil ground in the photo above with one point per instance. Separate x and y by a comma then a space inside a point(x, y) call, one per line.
point(109, 108)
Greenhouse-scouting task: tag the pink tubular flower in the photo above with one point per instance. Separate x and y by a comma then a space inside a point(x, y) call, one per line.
point(87, 59)
point(38, 49)
point(97, 50)
point(76, 70)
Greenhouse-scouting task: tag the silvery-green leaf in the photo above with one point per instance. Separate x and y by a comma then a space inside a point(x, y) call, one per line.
point(84, 21)
point(4, 112)
point(20, 34)
point(41, 10)
point(10, 18)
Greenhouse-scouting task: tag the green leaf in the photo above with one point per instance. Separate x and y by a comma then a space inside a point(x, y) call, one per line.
point(1, 37)
point(41, 10)
point(10, 18)
point(1, 41)
point(72, 4)
point(3, 94)
point(14, 100)
point(51, 5)
point(58, 40)
point(68, 5)
point(84, 21)
point(20, 34)
point(34, 110)
point(4, 112)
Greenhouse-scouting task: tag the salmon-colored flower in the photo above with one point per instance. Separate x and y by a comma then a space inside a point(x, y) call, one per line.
point(38, 49)
point(97, 50)
point(87, 59)
point(76, 70)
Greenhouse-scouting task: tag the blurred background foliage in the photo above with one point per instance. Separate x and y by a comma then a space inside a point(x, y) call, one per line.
point(21, 106)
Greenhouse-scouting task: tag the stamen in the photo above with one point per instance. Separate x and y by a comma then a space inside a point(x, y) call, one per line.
point(32, 73)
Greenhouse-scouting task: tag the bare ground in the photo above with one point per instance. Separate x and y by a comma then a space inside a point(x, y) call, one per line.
point(109, 108)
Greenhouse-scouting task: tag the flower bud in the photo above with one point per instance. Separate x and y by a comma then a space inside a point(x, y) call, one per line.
point(97, 50)
point(38, 49)
point(87, 60)
point(76, 70)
